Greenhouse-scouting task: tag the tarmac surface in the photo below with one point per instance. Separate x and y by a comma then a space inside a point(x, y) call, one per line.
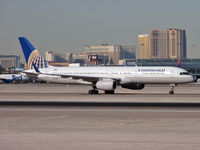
point(52, 116)
point(62, 92)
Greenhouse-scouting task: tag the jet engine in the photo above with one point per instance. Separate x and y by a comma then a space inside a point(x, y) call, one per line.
point(106, 84)
point(133, 86)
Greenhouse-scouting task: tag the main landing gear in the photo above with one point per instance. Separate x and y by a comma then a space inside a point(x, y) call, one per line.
point(97, 92)
point(93, 91)
point(172, 88)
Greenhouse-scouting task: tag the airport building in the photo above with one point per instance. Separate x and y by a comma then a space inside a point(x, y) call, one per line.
point(107, 55)
point(58, 57)
point(82, 59)
point(113, 52)
point(10, 61)
point(169, 43)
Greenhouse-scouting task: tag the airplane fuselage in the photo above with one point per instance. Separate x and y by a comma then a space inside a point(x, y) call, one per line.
point(144, 75)
point(8, 78)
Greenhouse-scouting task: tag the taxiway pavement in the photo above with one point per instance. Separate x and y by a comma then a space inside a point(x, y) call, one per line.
point(62, 92)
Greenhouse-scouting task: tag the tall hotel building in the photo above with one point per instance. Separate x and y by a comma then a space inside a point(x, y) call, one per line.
point(144, 49)
point(163, 44)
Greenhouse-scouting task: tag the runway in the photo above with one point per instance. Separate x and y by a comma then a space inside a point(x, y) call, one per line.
point(84, 128)
point(51, 116)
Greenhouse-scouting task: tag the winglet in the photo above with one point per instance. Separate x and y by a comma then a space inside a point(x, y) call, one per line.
point(179, 63)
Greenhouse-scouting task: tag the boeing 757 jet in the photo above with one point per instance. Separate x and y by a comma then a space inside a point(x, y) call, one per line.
point(103, 78)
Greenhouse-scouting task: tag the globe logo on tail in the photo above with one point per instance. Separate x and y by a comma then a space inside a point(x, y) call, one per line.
point(37, 59)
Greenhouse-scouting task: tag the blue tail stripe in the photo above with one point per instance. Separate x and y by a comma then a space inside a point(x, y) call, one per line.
point(45, 63)
point(38, 63)
point(27, 47)
point(41, 62)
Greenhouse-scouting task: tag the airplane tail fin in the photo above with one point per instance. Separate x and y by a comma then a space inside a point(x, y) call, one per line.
point(31, 54)
point(179, 63)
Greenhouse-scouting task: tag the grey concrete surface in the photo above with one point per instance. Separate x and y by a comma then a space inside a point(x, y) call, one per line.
point(97, 128)
point(86, 128)
point(61, 92)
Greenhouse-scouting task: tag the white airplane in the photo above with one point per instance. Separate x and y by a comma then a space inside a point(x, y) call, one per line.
point(104, 78)
point(14, 78)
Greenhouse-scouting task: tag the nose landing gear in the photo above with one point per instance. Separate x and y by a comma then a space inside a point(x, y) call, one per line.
point(172, 88)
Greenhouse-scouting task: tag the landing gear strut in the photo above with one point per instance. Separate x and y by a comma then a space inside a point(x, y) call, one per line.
point(172, 86)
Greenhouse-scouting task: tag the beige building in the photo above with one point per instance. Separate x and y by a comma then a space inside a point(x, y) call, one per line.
point(144, 46)
point(163, 44)
point(49, 56)
point(176, 43)
point(158, 44)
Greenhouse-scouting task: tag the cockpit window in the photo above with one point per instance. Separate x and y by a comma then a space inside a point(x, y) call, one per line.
point(184, 73)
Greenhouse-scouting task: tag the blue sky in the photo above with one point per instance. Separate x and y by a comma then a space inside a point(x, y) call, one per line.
point(69, 25)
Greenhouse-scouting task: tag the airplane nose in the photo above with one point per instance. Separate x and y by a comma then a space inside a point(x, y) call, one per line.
point(194, 78)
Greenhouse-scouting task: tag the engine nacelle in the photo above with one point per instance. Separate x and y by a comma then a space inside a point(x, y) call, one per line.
point(133, 86)
point(106, 84)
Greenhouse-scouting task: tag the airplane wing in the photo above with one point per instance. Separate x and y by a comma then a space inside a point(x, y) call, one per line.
point(31, 74)
point(75, 77)
point(84, 77)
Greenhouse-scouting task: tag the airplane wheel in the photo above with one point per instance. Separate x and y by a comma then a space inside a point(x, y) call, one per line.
point(109, 92)
point(171, 92)
point(93, 92)
point(96, 92)
point(90, 92)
